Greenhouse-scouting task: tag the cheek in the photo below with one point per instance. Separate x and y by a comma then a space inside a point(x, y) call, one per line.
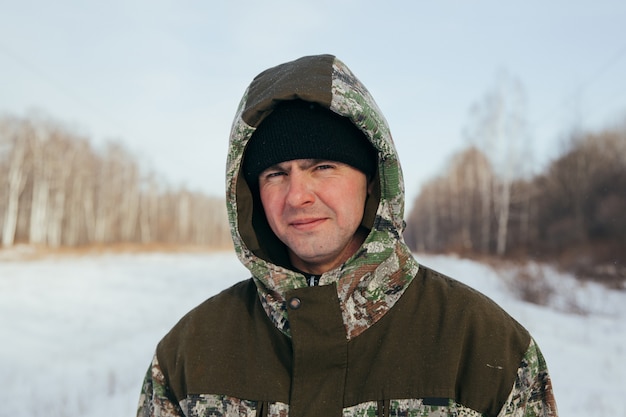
point(271, 204)
point(349, 204)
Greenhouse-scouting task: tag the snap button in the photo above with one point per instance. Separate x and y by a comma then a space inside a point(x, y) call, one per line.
point(295, 303)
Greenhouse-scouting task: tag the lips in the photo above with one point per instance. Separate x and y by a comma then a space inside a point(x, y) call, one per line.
point(308, 223)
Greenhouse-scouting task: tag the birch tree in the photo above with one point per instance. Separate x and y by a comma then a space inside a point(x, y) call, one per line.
point(80, 201)
point(500, 130)
point(62, 153)
point(41, 176)
point(149, 210)
point(15, 181)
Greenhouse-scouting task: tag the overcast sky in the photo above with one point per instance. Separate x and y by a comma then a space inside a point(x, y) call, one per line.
point(165, 77)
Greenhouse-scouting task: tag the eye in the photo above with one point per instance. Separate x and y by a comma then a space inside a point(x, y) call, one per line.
point(324, 166)
point(268, 175)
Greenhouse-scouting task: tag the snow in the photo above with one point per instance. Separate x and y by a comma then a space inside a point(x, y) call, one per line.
point(77, 333)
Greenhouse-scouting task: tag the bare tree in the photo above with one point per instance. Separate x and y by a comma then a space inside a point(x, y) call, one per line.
point(469, 170)
point(80, 201)
point(113, 188)
point(149, 210)
point(424, 231)
point(183, 215)
point(130, 198)
point(62, 153)
point(500, 131)
point(15, 180)
point(41, 175)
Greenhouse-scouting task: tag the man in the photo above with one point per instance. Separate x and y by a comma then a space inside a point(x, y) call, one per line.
point(338, 318)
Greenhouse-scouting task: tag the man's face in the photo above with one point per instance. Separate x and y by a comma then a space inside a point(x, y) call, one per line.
point(315, 207)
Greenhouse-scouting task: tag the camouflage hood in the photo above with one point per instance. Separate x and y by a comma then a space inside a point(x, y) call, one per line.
point(374, 278)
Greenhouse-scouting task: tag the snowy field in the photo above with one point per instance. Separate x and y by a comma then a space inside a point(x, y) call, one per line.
point(77, 333)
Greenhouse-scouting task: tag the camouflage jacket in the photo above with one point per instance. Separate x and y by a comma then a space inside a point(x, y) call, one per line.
point(380, 334)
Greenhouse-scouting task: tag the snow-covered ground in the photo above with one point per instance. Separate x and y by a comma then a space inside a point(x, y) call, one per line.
point(77, 333)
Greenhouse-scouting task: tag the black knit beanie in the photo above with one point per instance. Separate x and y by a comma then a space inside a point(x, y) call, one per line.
point(298, 129)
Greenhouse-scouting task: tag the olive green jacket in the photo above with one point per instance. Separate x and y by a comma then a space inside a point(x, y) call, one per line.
point(380, 334)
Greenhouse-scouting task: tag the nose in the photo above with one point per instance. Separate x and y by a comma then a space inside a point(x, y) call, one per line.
point(300, 191)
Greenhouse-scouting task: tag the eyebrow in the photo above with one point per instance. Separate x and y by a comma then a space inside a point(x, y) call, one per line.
point(306, 163)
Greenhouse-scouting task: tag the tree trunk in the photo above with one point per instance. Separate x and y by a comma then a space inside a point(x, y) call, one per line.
point(16, 183)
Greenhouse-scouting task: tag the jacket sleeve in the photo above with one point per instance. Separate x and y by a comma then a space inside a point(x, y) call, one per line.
point(156, 399)
point(532, 394)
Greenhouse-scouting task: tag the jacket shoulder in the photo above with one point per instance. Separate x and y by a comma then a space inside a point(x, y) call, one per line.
point(460, 299)
point(442, 339)
point(234, 297)
point(218, 345)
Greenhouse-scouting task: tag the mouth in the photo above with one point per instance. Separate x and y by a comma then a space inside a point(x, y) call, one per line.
point(307, 224)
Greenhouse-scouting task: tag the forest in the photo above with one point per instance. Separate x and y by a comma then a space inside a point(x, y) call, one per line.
point(572, 213)
point(59, 190)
